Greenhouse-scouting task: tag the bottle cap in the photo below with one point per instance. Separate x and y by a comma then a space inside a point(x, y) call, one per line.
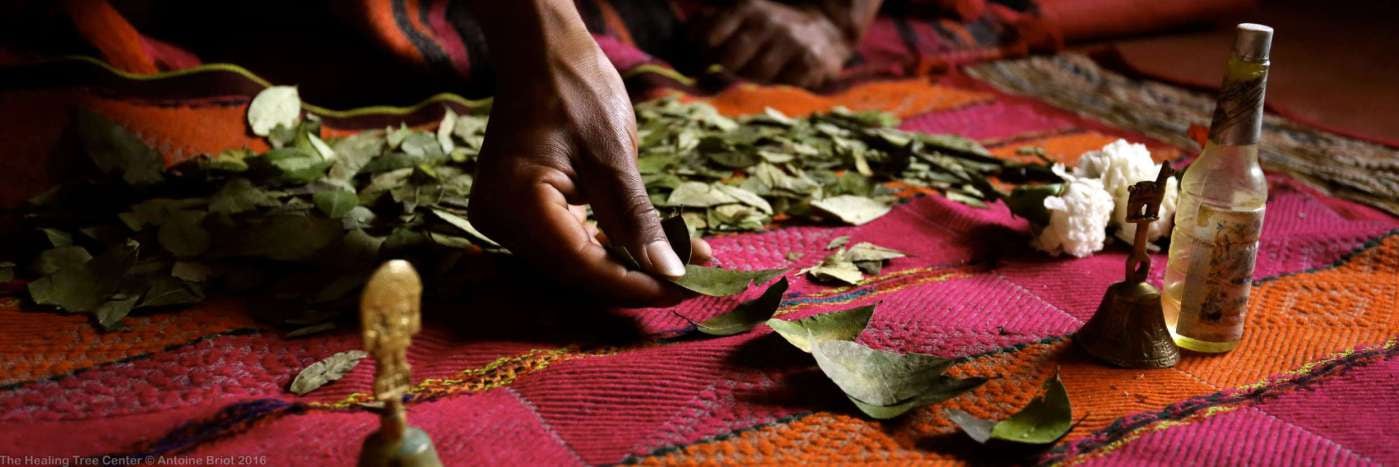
point(1253, 42)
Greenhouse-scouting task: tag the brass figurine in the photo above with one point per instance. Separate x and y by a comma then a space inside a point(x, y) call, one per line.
point(1129, 329)
point(389, 316)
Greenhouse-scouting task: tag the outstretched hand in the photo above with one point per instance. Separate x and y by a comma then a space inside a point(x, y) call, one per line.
point(562, 135)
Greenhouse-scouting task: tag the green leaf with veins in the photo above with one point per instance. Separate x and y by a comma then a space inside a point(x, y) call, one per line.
point(747, 314)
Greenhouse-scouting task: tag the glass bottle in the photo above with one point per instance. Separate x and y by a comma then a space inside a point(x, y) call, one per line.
point(1219, 214)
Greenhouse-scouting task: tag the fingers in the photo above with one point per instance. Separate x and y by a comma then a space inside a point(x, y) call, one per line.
point(624, 211)
point(744, 45)
point(538, 224)
point(723, 26)
point(701, 252)
point(774, 57)
point(800, 72)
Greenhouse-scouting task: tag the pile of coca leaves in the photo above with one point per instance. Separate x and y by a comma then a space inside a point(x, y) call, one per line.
point(308, 220)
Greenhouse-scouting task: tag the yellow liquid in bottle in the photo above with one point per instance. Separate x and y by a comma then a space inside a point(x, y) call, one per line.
point(1219, 217)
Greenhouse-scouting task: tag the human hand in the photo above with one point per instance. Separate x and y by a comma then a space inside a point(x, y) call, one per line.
point(561, 136)
point(770, 42)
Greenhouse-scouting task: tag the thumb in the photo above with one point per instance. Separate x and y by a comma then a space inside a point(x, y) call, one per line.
point(625, 213)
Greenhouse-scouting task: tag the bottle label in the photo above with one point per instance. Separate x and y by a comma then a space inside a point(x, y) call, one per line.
point(1217, 283)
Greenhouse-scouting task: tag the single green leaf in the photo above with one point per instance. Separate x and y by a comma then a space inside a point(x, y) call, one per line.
point(326, 371)
point(717, 282)
point(57, 259)
point(851, 209)
point(335, 203)
point(679, 236)
point(946, 388)
point(747, 314)
point(117, 151)
point(463, 224)
point(885, 384)
point(184, 234)
point(1043, 421)
point(274, 106)
point(296, 165)
point(841, 325)
point(111, 312)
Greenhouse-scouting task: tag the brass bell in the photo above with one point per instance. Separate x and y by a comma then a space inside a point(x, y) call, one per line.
point(1129, 329)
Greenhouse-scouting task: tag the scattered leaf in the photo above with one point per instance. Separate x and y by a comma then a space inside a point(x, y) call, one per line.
point(841, 325)
point(1046, 419)
point(886, 384)
point(326, 371)
point(865, 251)
point(747, 314)
point(851, 209)
point(716, 282)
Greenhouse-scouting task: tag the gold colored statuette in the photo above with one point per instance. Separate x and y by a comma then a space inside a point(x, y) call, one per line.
point(1129, 329)
point(389, 317)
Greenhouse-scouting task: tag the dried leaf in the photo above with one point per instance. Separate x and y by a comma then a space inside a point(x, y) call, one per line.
point(1046, 419)
point(326, 371)
point(747, 314)
point(716, 282)
point(865, 251)
point(836, 268)
point(699, 195)
point(679, 236)
point(465, 225)
point(886, 384)
point(851, 209)
point(841, 325)
point(273, 107)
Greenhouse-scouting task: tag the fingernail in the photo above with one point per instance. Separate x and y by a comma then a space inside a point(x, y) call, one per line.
point(663, 259)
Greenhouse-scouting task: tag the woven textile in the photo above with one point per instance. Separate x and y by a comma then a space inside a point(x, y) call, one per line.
point(513, 375)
